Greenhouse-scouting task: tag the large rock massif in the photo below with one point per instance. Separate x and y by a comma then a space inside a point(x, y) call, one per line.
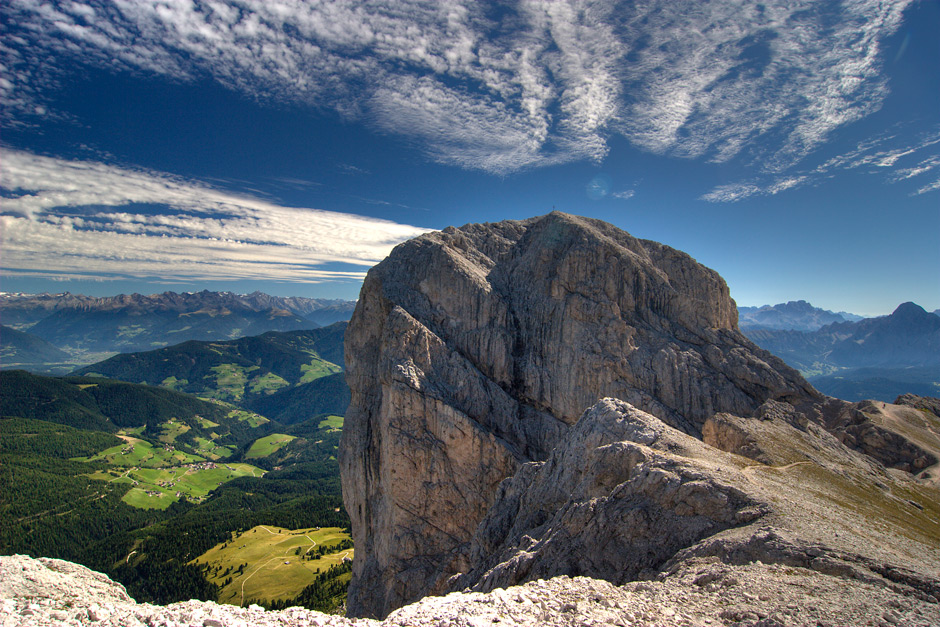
point(478, 453)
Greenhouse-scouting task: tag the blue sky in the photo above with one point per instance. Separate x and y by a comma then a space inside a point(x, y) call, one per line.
point(286, 146)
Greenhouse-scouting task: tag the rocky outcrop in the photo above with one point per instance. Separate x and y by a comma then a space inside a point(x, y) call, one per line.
point(472, 351)
point(924, 403)
point(621, 494)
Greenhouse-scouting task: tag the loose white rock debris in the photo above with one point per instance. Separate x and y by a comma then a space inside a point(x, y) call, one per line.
point(706, 593)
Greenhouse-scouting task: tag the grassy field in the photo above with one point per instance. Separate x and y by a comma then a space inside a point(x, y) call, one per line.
point(333, 423)
point(172, 429)
point(211, 450)
point(136, 452)
point(230, 380)
point(262, 447)
point(157, 488)
point(160, 476)
point(276, 565)
point(317, 368)
point(253, 419)
point(267, 384)
point(174, 384)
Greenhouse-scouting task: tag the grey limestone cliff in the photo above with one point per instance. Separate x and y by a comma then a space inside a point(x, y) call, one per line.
point(472, 351)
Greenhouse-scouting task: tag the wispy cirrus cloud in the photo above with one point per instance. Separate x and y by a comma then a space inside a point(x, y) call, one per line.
point(496, 87)
point(80, 219)
point(918, 162)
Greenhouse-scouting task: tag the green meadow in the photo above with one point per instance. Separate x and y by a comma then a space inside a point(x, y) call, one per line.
point(317, 368)
point(230, 380)
point(157, 488)
point(172, 429)
point(137, 452)
point(277, 561)
point(253, 419)
point(174, 384)
point(268, 383)
point(262, 447)
point(159, 476)
point(211, 450)
point(333, 423)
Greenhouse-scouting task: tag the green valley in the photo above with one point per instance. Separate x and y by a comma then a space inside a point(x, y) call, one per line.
point(161, 475)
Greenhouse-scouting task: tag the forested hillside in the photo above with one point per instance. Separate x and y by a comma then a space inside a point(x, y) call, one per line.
point(108, 405)
point(18, 348)
point(288, 377)
point(138, 481)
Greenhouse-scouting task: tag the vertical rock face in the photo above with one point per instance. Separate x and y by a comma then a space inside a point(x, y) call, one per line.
point(473, 350)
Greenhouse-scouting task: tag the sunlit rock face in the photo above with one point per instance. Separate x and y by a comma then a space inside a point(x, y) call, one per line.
point(475, 349)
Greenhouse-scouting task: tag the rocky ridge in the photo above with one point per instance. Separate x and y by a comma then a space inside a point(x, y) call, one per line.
point(704, 592)
point(467, 463)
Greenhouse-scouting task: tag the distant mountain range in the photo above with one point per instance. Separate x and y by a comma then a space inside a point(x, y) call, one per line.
point(82, 325)
point(796, 315)
point(872, 358)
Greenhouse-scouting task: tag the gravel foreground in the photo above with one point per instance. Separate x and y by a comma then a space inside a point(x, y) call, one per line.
point(704, 593)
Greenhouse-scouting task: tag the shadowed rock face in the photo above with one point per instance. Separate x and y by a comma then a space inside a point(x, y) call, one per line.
point(619, 495)
point(473, 350)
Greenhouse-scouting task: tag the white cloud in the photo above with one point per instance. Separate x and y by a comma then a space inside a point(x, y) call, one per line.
point(497, 87)
point(81, 218)
point(886, 155)
point(624, 195)
point(732, 193)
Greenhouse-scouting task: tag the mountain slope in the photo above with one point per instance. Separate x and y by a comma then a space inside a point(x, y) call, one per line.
point(139, 327)
point(909, 336)
point(238, 371)
point(37, 397)
point(473, 351)
point(554, 397)
point(105, 405)
point(325, 395)
point(24, 310)
point(137, 322)
point(20, 348)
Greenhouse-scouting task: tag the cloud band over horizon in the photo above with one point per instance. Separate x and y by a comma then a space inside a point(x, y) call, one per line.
point(92, 221)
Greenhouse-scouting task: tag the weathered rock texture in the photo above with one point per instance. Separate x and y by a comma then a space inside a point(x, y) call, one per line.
point(471, 356)
point(473, 350)
point(621, 493)
point(704, 592)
